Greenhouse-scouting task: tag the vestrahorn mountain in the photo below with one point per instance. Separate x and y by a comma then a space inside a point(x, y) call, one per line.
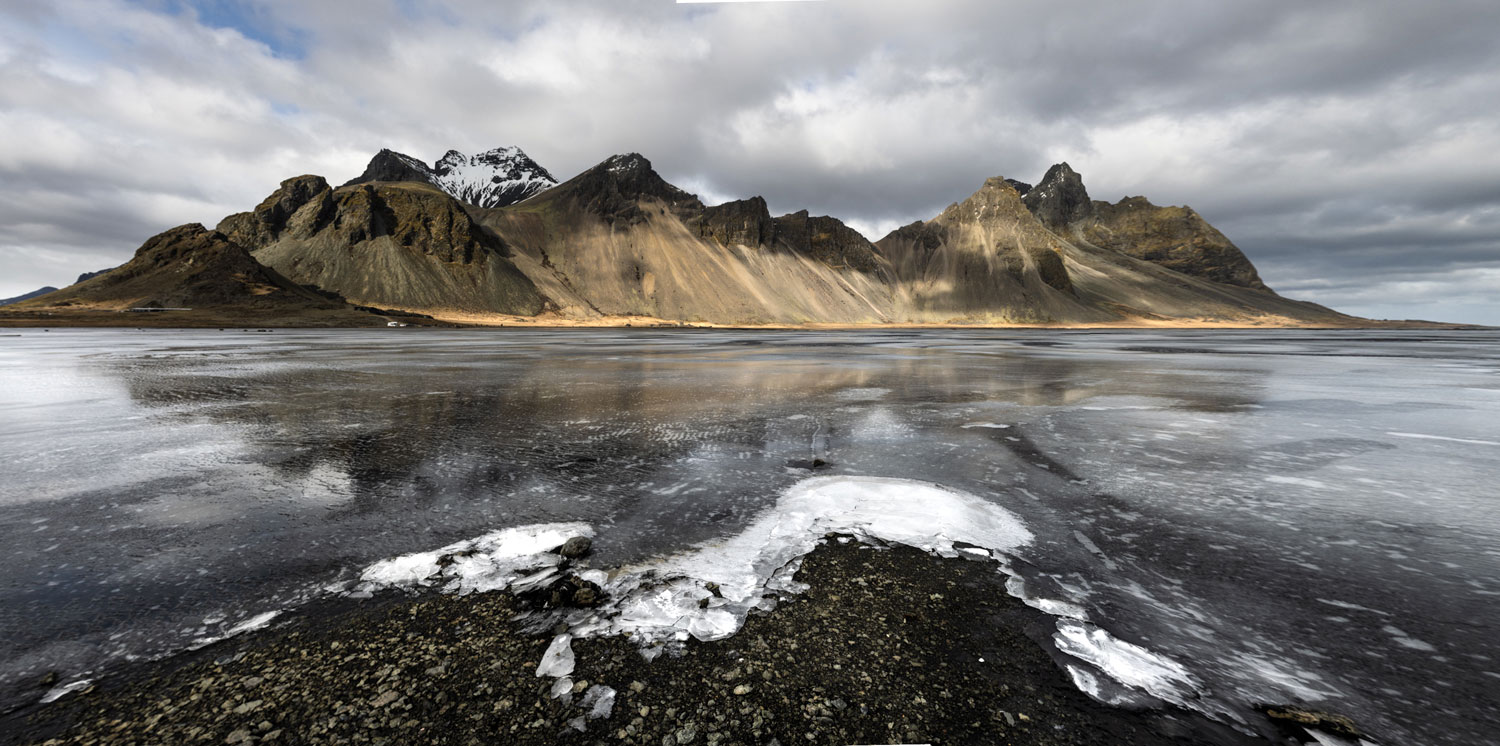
point(493, 238)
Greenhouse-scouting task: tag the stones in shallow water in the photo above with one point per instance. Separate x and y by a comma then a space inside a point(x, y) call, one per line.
point(571, 591)
point(1298, 717)
point(809, 464)
point(576, 547)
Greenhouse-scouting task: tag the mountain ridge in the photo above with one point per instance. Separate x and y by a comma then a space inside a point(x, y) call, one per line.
point(1177, 238)
point(28, 296)
point(618, 241)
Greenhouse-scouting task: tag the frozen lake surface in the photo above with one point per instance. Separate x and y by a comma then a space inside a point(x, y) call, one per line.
point(1289, 516)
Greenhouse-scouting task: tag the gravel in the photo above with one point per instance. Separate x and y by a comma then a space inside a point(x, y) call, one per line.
point(885, 647)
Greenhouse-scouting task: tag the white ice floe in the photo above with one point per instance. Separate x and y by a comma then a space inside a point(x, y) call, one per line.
point(1091, 682)
point(1328, 739)
point(557, 661)
point(494, 561)
point(256, 622)
point(754, 564)
point(259, 621)
point(1066, 609)
point(599, 700)
point(990, 425)
point(1127, 663)
point(58, 692)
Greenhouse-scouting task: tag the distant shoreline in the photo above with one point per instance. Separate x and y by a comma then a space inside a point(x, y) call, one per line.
point(211, 320)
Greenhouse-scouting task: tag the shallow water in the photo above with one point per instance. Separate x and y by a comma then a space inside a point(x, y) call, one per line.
point(1291, 516)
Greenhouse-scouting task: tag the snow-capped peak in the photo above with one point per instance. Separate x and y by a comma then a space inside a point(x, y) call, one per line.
point(627, 162)
point(495, 178)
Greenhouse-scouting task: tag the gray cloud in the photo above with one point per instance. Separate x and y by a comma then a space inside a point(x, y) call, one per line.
point(1352, 148)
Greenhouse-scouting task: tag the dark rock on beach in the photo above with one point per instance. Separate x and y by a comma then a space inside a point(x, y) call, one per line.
point(1298, 720)
point(576, 547)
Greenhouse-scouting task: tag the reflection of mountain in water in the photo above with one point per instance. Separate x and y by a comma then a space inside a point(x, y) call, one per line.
point(1203, 505)
point(606, 432)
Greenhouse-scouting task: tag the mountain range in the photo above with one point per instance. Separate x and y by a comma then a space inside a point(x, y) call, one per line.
point(494, 238)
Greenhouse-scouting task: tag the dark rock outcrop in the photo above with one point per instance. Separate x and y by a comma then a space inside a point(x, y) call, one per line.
point(576, 547)
point(423, 219)
point(1300, 720)
point(746, 222)
point(402, 245)
point(1174, 237)
point(615, 188)
point(985, 257)
point(90, 275)
point(388, 165)
point(827, 240)
point(1060, 200)
point(276, 212)
point(192, 267)
point(1177, 238)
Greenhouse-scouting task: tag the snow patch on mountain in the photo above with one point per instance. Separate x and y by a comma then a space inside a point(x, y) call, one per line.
point(495, 178)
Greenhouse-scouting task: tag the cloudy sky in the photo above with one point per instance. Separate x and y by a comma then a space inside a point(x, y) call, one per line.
point(1351, 148)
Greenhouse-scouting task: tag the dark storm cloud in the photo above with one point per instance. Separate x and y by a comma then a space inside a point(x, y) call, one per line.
point(1352, 148)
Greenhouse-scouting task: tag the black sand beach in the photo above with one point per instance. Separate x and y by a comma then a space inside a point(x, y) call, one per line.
point(889, 645)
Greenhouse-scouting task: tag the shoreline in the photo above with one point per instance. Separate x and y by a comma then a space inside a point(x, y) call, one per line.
point(888, 645)
point(117, 320)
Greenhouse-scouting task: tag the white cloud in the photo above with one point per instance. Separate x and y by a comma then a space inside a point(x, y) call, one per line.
point(1349, 142)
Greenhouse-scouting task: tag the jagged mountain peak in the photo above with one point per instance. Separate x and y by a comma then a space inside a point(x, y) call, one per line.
point(1060, 200)
point(389, 165)
point(617, 184)
point(996, 199)
point(501, 155)
point(495, 178)
point(626, 163)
